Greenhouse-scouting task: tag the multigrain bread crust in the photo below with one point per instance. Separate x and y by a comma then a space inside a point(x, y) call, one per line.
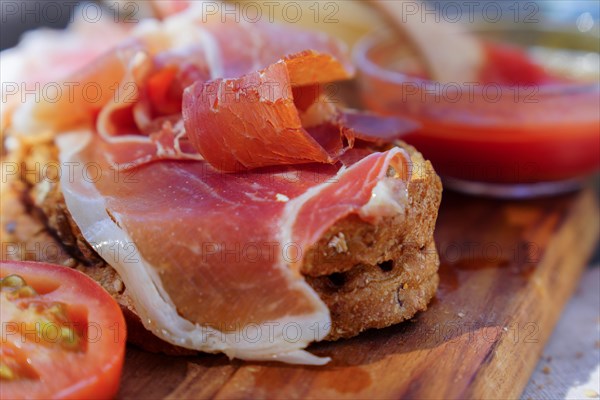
point(369, 275)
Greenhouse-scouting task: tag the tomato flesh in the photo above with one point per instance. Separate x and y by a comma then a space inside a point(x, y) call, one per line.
point(63, 336)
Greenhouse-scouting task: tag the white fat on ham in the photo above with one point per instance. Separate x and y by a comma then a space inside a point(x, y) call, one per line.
point(389, 198)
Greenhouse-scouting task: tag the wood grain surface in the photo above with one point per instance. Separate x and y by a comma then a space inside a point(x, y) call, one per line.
point(508, 268)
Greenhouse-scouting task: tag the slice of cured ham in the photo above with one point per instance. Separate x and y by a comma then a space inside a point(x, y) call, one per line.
point(255, 121)
point(41, 69)
point(212, 260)
point(252, 121)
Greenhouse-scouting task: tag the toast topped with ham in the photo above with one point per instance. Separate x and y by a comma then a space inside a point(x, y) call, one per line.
point(221, 196)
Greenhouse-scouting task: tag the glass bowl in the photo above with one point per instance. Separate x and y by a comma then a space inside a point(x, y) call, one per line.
point(490, 138)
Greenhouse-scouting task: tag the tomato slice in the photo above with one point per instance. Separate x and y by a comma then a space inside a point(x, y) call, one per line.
point(63, 336)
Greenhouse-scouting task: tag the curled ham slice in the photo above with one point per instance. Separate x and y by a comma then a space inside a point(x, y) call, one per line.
point(254, 121)
point(45, 57)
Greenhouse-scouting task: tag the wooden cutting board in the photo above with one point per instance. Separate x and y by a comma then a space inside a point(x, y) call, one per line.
point(508, 268)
